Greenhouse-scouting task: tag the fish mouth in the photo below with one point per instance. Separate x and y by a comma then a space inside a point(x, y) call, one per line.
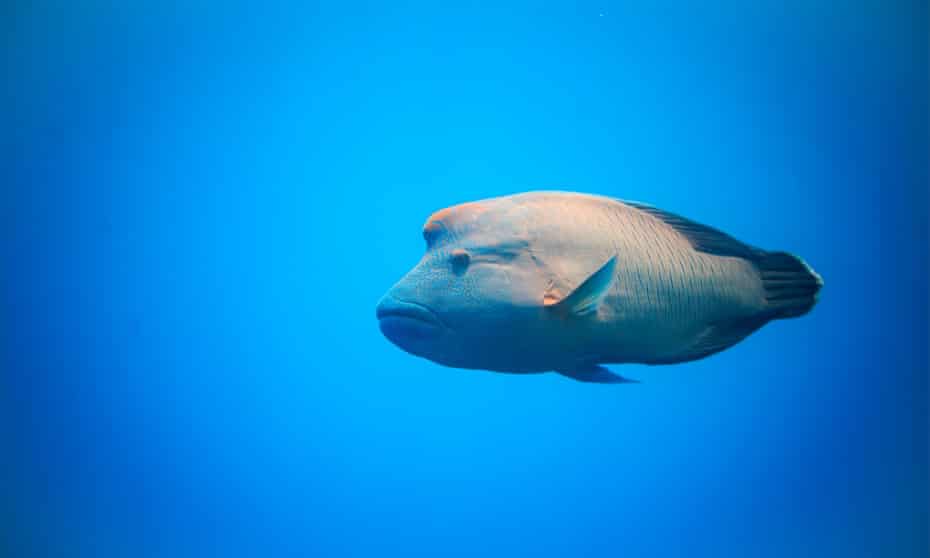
point(408, 310)
point(404, 322)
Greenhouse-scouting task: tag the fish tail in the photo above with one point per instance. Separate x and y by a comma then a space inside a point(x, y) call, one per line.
point(791, 286)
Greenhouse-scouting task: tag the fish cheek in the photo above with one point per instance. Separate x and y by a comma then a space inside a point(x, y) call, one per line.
point(502, 288)
point(487, 284)
point(526, 284)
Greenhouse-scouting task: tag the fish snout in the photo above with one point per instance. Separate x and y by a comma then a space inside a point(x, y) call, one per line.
point(406, 324)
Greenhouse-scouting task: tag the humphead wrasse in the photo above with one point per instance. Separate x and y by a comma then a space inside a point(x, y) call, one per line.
point(567, 282)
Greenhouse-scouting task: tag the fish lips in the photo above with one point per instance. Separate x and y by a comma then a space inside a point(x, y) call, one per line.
point(407, 324)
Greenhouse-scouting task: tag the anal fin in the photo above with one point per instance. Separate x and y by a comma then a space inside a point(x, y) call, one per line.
point(716, 338)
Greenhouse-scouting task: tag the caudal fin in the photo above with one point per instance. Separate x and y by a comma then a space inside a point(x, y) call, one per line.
point(791, 286)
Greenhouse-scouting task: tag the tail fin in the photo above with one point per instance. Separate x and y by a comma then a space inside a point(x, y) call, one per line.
point(791, 286)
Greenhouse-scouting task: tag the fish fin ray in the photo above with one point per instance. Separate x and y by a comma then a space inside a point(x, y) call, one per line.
point(588, 295)
point(791, 286)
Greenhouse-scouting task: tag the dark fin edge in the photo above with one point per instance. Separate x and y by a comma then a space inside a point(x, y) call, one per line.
point(791, 286)
point(704, 239)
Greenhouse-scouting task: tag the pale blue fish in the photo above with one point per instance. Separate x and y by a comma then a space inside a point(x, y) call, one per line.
point(568, 282)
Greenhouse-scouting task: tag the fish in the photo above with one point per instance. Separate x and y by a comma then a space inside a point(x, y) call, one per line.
point(567, 282)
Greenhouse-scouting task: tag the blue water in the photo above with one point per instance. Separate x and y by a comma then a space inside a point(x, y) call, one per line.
point(205, 203)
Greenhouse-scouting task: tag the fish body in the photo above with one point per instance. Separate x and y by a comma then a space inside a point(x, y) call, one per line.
point(568, 282)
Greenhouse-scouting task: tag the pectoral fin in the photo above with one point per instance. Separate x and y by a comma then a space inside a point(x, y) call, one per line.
point(587, 296)
point(595, 373)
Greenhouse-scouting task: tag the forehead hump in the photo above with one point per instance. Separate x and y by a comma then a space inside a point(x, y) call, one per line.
point(457, 217)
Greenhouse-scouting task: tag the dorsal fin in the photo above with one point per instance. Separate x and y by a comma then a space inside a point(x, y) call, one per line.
point(586, 297)
point(703, 238)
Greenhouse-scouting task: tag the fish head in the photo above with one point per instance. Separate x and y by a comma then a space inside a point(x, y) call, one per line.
point(475, 296)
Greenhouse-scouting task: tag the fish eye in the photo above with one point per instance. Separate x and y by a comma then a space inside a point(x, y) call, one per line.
point(460, 261)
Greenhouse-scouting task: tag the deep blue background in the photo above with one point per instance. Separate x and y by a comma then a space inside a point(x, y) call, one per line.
point(203, 203)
